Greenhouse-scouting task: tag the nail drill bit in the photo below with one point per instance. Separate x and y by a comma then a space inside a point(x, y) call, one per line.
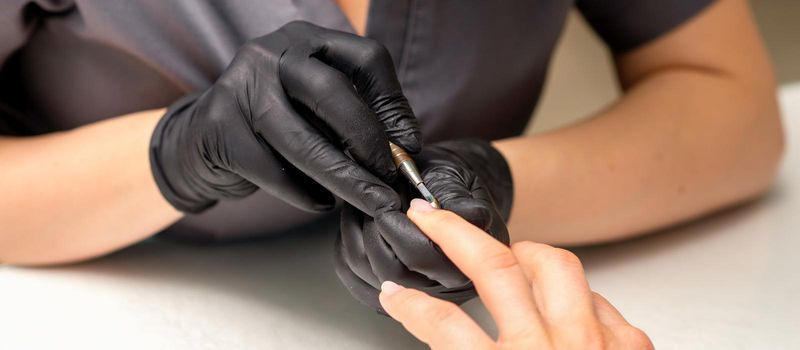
point(406, 165)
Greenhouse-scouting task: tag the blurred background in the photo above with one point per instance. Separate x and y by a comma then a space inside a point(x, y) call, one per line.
point(581, 78)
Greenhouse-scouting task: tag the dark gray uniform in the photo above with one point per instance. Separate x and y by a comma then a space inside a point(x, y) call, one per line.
point(469, 68)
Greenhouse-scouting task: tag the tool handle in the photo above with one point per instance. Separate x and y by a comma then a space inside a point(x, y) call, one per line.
point(399, 155)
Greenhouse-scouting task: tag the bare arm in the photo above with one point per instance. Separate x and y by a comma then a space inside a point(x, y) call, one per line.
point(77, 194)
point(697, 130)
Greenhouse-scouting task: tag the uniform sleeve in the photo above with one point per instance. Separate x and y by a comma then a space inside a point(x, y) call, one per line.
point(18, 19)
point(16, 22)
point(13, 34)
point(627, 24)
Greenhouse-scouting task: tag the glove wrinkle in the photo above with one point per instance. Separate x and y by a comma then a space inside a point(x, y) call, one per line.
point(291, 115)
point(468, 177)
point(385, 263)
point(352, 248)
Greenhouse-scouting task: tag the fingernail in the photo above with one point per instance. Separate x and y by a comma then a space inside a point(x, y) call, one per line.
point(421, 206)
point(388, 288)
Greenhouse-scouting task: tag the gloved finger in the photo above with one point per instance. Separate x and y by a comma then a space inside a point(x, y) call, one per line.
point(495, 226)
point(440, 324)
point(455, 190)
point(331, 97)
point(416, 251)
point(384, 262)
point(459, 190)
point(255, 162)
point(355, 269)
point(303, 146)
point(360, 290)
point(370, 68)
point(368, 255)
point(286, 183)
point(350, 245)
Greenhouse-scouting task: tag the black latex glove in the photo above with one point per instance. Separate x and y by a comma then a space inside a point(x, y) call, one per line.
point(298, 113)
point(468, 177)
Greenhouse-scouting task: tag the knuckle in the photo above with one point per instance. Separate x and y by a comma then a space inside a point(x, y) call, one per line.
point(373, 53)
point(525, 248)
point(326, 82)
point(226, 83)
point(594, 339)
point(407, 299)
point(297, 25)
point(594, 343)
point(251, 47)
point(589, 337)
point(598, 298)
point(252, 53)
point(635, 338)
point(563, 258)
point(440, 313)
point(217, 104)
point(248, 46)
point(498, 258)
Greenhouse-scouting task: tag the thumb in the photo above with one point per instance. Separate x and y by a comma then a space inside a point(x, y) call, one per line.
point(435, 322)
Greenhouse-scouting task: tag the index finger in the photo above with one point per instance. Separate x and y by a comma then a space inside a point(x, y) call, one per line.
point(306, 149)
point(331, 97)
point(491, 265)
point(369, 66)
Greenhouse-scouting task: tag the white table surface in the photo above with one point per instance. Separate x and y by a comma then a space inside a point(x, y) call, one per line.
point(730, 281)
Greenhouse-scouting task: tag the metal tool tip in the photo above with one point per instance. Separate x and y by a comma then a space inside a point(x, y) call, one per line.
point(428, 195)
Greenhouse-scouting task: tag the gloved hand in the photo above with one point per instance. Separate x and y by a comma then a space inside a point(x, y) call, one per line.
point(298, 113)
point(468, 177)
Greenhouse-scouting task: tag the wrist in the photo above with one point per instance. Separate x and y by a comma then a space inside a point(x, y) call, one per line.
point(496, 171)
point(166, 154)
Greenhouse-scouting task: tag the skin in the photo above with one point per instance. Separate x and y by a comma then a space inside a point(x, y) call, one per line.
point(553, 307)
point(78, 194)
point(697, 130)
point(356, 12)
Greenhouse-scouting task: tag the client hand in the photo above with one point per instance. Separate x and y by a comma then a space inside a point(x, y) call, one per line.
point(537, 294)
point(468, 177)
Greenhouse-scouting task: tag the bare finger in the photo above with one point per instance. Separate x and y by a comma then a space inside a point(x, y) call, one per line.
point(606, 312)
point(436, 322)
point(559, 284)
point(492, 267)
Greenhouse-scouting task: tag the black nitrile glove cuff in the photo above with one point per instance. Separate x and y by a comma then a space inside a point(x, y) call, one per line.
point(501, 183)
point(160, 163)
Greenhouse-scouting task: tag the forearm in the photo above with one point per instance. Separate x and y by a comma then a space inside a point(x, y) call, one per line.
point(74, 195)
point(681, 143)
